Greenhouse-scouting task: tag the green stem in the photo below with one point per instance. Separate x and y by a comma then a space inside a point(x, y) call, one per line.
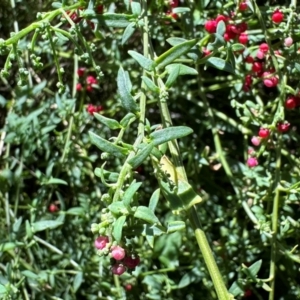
point(275, 213)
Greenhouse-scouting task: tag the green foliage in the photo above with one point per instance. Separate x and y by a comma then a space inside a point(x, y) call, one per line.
point(121, 120)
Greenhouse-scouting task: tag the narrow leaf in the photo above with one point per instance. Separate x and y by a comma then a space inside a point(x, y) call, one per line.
point(173, 74)
point(167, 134)
point(129, 118)
point(175, 52)
point(111, 19)
point(150, 84)
point(107, 146)
point(110, 123)
point(175, 226)
point(109, 176)
point(220, 64)
point(154, 199)
point(126, 98)
point(77, 281)
point(118, 228)
point(144, 62)
point(141, 156)
point(128, 32)
point(129, 193)
point(55, 181)
point(47, 224)
point(146, 214)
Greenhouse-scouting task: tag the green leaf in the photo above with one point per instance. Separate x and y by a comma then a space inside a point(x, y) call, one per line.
point(110, 123)
point(47, 224)
point(29, 274)
point(136, 7)
point(118, 228)
point(154, 199)
point(130, 117)
point(254, 268)
point(178, 10)
point(237, 47)
point(174, 70)
point(150, 84)
point(129, 193)
point(107, 146)
point(76, 211)
point(221, 28)
point(146, 214)
point(78, 279)
point(56, 4)
point(109, 176)
point(47, 129)
point(236, 289)
point(55, 181)
point(111, 19)
point(189, 278)
point(144, 62)
point(174, 53)
point(174, 226)
point(173, 41)
point(167, 134)
point(128, 32)
point(127, 100)
point(220, 64)
point(141, 156)
point(9, 246)
point(173, 74)
point(118, 208)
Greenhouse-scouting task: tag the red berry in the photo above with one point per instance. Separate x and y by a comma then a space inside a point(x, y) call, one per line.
point(118, 269)
point(128, 287)
point(53, 208)
point(242, 27)
point(118, 253)
point(257, 67)
point(80, 72)
point(221, 18)
point(91, 80)
point(277, 16)
point(264, 47)
point(243, 38)
point(249, 59)
point(91, 109)
point(131, 261)
point(89, 88)
point(172, 15)
point(173, 3)
point(243, 6)
point(291, 102)
point(206, 52)
point(283, 127)
point(264, 133)
point(210, 26)
point(99, 9)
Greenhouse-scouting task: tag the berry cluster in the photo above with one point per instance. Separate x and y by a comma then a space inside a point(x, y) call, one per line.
point(90, 81)
point(121, 259)
point(173, 4)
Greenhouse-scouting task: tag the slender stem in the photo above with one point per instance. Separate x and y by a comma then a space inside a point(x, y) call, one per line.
point(275, 213)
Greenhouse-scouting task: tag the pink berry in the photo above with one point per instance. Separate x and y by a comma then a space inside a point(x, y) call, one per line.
point(118, 269)
point(260, 54)
point(131, 261)
point(252, 162)
point(269, 79)
point(255, 141)
point(173, 3)
point(277, 16)
point(118, 253)
point(288, 42)
point(243, 6)
point(101, 241)
point(264, 133)
point(91, 109)
point(128, 287)
point(78, 87)
point(210, 26)
point(53, 208)
point(291, 102)
point(206, 52)
point(283, 127)
point(243, 38)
